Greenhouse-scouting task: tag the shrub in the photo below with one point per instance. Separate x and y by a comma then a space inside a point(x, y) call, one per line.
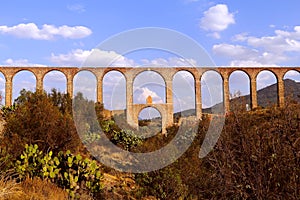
point(36, 119)
point(68, 171)
point(163, 184)
point(257, 156)
point(127, 139)
point(5, 160)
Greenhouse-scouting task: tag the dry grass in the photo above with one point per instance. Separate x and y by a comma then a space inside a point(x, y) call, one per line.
point(37, 189)
point(9, 189)
point(30, 189)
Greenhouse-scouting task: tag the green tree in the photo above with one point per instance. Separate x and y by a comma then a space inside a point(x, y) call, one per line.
point(41, 119)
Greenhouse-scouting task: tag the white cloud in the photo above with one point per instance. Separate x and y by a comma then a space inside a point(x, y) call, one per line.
point(143, 92)
point(47, 32)
point(234, 51)
point(282, 41)
point(86, 83)
point(75, 57)
point(20, 62)
point(211, 88)
point(216, 19)
point(272, 26)
point(55, 79)
point(249, 63)
point(264, 79)
point(79, 8)
point(113, 78)
point(240, 37)
point(215, 35)
point(55, 76)
point(292, 74)
point(94, 57)
point(183, 91)
point(2, 80)
point(168, 62)
point(274, 50)
point(98, 57)
point(244, 56)
point(114, 91)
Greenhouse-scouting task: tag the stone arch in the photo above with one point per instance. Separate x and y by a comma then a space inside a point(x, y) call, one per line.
point(157, 108)
point(161, 108)
point(85, 81)
point(139, 71)
point(56, 79)
point(212, 70)
point(190, 71)
point(240, 97)
point(24, 69)
point(240, 70)
point(26, 82)
point(112, 70)
point(63, 71)
point(212, 90)
point(85, 70)
point(292, 74)
point(114, 90)
point(141, 84)
point(267, 71)
point(291, 80)
point(267, 92)
point(184, 92)
point(151, 125)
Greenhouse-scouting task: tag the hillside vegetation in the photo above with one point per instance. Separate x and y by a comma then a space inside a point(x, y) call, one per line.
point(256, 157)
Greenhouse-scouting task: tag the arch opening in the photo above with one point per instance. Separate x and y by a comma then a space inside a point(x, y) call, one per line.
point(239, 89)
point(291, 86)
point(212, 92)
point(23, 79)
point(114, 91)
point(149, 83)
point(183, 95)
point(150, 122)
point(85, 82)
point(2, 89)
point(267, 89)
point(55, 80)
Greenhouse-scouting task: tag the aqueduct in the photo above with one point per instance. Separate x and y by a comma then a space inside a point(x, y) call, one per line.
point(166, 109)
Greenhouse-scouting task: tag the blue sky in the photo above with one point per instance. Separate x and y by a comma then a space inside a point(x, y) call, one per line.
point(56, 33)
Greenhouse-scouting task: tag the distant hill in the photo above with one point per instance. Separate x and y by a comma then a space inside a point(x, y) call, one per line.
point(265, 97)
point(268, 96)
point(292, 90)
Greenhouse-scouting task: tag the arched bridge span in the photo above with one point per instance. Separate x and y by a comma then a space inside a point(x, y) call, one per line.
point(167, 73)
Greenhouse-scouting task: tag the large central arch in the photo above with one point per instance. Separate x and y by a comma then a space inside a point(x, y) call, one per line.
point(162, 109)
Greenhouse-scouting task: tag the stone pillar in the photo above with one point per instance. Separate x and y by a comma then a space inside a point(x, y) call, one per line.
point(253, 92)
point(164, 121)
point(8, 90)
point(129, 103)
point(39, 83)
point(280, 92)
point(99, 90)
point(198, 100)
point(226, 94)
point(70, 84)
point(169, 101)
